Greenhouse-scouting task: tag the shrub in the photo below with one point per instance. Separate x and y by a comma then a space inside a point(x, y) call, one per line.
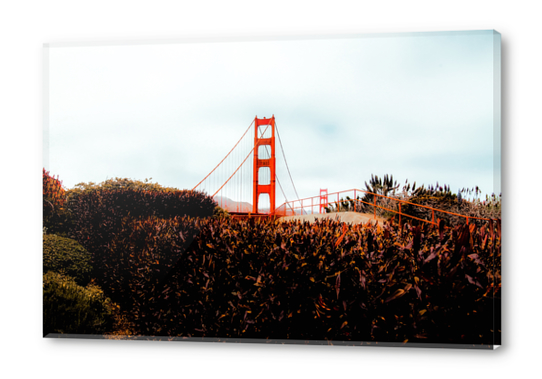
point(138, 259)
point(385, 186)
point(327, 280)
point(53, 193)
point(100, 210)
point(441, 197)
point(220, 212)
point(122, 183)
point(437, 196)
point(67, 257)
point(55, 216)
point(72, 309)
point(490, 207)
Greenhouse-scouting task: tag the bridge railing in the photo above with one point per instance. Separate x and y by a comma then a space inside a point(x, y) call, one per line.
point(342, 202)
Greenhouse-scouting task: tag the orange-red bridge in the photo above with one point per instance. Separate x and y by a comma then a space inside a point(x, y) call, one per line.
point(245, 183)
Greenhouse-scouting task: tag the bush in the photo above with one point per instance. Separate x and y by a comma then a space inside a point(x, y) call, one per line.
point(67, 257)
point(220, 212)
point(327, 280)
point(72, 309)
point(122, 183)
point(139, 258)
point(437, 196)
point(55, 215)
point(385, 186)
point(99, 211)
point(441, 197)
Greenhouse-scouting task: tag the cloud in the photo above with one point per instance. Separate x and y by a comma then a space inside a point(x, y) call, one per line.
point(415, 106)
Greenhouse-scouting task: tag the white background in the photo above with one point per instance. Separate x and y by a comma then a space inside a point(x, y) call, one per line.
point(26, 25)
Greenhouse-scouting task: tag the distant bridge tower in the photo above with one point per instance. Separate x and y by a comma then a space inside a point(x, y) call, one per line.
point(264, 146)
point(323, 199)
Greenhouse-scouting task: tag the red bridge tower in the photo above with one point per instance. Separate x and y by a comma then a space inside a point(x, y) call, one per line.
point(267, 164)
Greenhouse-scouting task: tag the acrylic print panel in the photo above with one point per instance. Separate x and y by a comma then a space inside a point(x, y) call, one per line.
point(340, 190)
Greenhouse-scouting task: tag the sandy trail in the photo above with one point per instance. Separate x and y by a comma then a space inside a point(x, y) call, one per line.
point(348, 217)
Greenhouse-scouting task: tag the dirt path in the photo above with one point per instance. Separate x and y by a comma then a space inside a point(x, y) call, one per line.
point(349, 217)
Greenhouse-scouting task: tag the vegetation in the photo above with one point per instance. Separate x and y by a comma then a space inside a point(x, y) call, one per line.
point(466, 202)
point(55, 216)
point(120, 184)
point(99, 212)
point(328, 280)
point(74, 309)
point(171, 272)
point(220, 212)
point(93, 214)
point(67, 257)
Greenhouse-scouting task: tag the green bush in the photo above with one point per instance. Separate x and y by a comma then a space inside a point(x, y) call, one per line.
point(119, 184)
point(73, 309)
point(67, 257)
point(220, 212)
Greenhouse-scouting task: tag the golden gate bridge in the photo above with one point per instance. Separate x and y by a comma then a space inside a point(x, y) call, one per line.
point(244, 183)
point(245, 180)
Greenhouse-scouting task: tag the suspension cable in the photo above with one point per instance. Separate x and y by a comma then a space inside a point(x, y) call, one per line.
point(285, 198)
point(242, 163)
point(282, 149)
point(225, 158)
point(277, 177)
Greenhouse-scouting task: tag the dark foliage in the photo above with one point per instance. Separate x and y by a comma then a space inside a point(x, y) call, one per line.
point(138, 260)
point(55, 215)
point(175, 271)
point(439, 197)
point(328, 280)
point(99, 214)
point(416, 202)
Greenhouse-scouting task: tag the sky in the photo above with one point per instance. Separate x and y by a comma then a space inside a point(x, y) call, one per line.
point(423, 107)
